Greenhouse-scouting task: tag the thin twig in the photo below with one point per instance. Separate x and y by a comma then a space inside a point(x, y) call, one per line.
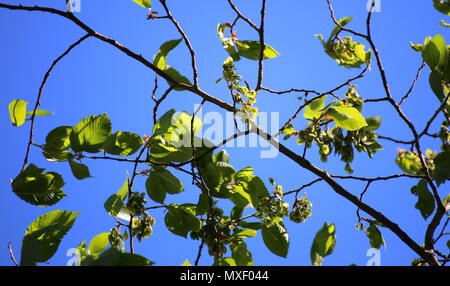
point(330, 7)
point(199, 253)
point(303, 187)
point(262, 45)
point(240, 15)
point(41, 88)
point(413, 84)
point(186, 41)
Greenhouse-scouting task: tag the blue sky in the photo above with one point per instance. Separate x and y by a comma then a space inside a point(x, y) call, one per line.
point(96, 78)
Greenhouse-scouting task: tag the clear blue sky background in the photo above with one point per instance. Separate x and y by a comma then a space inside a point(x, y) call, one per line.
point(96, 78)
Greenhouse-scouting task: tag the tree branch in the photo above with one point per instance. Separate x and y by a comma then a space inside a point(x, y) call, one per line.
point(429, 257)
point(240, 15)
point(186, 41)
point(39, 96)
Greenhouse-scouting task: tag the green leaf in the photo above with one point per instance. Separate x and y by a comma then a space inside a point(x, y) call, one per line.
point(342, 23)
point(425, 203)
point(375, 237)
point(240, 254)
point(276, 239)
point(416, 47)
point(442, 6)
point(244, 233)
point(40, 112)
point(90, 133)
point(179, 127)
point(217, 176)
point(315, 108)
point(181, 219)
point(122, 143)
point(250, 184)
point(323, 244)
point(251, 50)
point(435, 81)
point(99, 243)
point(164, 122)
point(144, 3)
point(446, 200)
point(186, 263)
point(224, 261)
point(114, 257)
point(343, 50)
point(444, 24)
point(251, 225)
point(441, 171)
point(435, 53)
point(373, 123)
point(409, 162)
point(160, 182)
point(160, 59)
point(348, 118)
point(176, 76)
point(17, 112)
point(44, 235)
point(57, 143)
point(115, 202)
point(38, 188)
point(236, 213)
point(202, 204)
point(227, 43)
point(79, 171)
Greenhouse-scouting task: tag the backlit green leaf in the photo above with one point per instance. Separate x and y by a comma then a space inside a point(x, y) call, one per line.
point(375, 237)
point(57, 143)
point(38, 188)
point(251, 50)
point(44, 235)
point(181, 220)
point(90, 134)
point(160, 58)
point(276, 239)
point(17, 112)
point(373, 123)
point(227, 43)
point(122, 143)
point(79, 170)
point(409, 162)
point(176, 76)
point(99, 243)
point(435, 52)
point(442, 6)
point(40, 112)
point(240, 253)
point(115, 202)
point(160, 182)
point(244, 233)
point(144, 3)
point(441, 171)
point(114, 257)
point(323, 244)
point(425, 201)
point(314, 109)
point(348, 118)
